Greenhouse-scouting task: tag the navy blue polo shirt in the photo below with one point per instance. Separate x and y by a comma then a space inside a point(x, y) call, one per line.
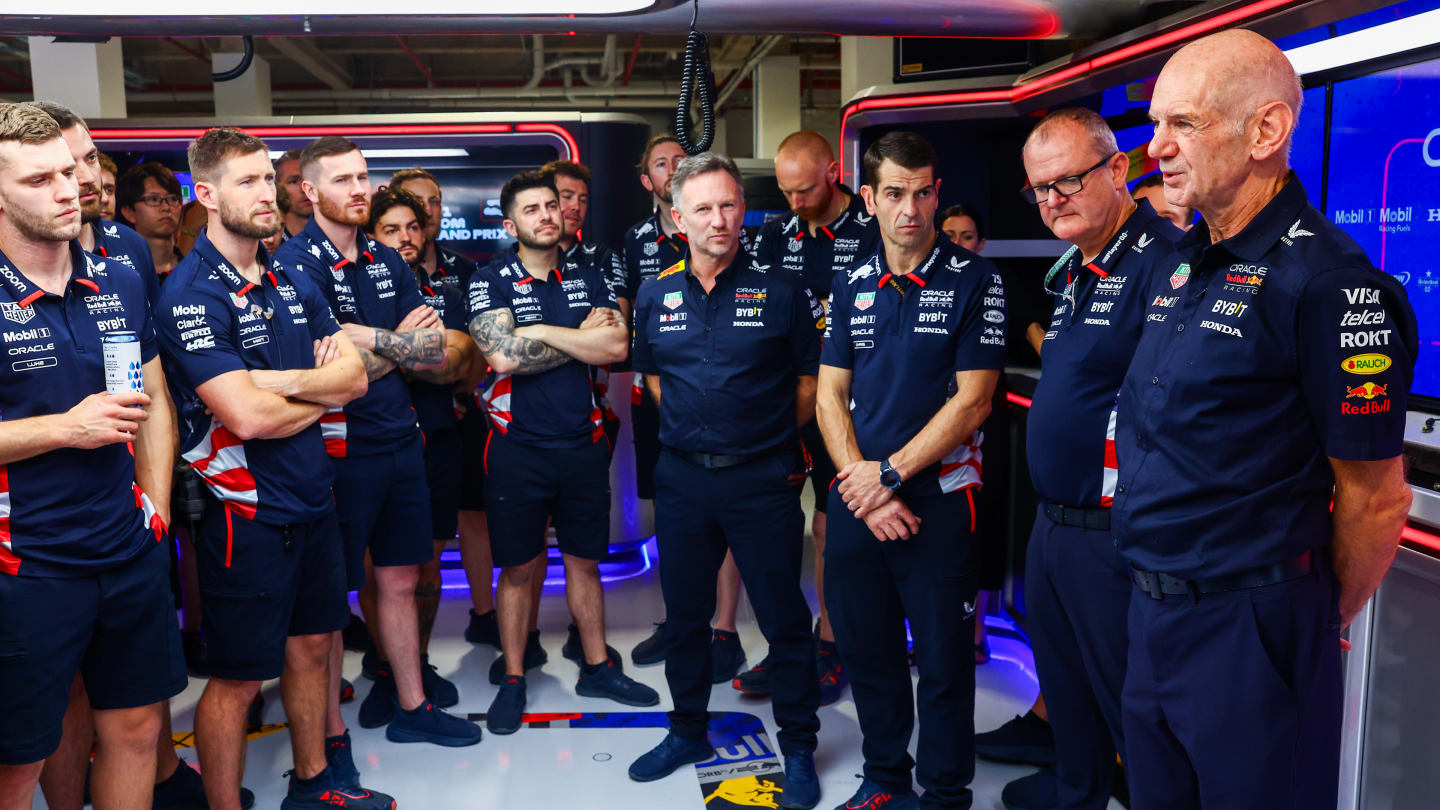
point(905, 349)
point(1099, 312)
point(555, 408)
point(211, 321)
point(786, 243)
point(1261, 355)
point(68, 512)
point(378, 291)
point(122, 244)
point(649, 252)
point(452, 270)
point(607, 261)
point(434, 404)
point(728, 359)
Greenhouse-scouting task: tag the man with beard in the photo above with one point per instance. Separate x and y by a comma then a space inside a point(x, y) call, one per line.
point(257, 360)
point(730, 353)
point(107, 186)
point(396, 218)
point(652, 245)
point(914, 345)
point(148, 195)
point(287, 177)
point(380, 489)
point(176, 784)
point(541, 323)
point(827, 231)
point(86, 485)
point(453, 270)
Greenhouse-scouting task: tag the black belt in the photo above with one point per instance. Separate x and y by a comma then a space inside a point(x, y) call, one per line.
point(1097, 519)
point(1158, 586)
point(717, 461)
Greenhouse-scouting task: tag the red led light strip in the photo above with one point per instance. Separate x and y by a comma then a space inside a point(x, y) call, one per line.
point(358, 129)
point(1048, 80)
point(1420, 538)
point(1016, 399)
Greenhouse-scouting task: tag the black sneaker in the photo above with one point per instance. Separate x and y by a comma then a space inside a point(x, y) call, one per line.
point(440, 691)
point(833, 679)
point(340, 760)
point(378, 707)
point(802, 786)
point(426, 723)
point(356, 635)
point(184, 790)
point(507, 710)
point(197, 656)
point(1026, 740)
point(871, 796)
point(574, 650)
point(652, 649)
point(756, 680)
point(672, 753)
point(325, 792)
point(1038, 791)
point(535, 656)
point(726, 656)
point(609, 682)
point(370, 663)
point(255, 715)
point(483, 629)
point(347, 691)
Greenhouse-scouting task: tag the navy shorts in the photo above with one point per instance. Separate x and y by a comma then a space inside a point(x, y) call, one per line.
point(117, 629)
point(527, 486)
point(261, 584)
point(444, 457)
point(822, 469)
point(383, 504)
point(474, 432)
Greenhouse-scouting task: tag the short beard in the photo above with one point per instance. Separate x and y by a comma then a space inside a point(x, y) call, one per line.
point(533, 244)
point(663, 191)
point(37, 229)
point(341, 213)
point(90, 212)
point(235, 221)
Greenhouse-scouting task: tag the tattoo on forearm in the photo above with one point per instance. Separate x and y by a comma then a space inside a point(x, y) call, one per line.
point(422, 347)
point(375, 365)
point(494, 332)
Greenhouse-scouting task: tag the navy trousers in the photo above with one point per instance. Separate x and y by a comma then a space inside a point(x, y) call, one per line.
point(1077, 594)
point(752, 510)
point(871, 588)
point(1232, 701)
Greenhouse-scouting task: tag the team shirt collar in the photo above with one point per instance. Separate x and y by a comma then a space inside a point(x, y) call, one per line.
point(236, 283)
point(1279, 219)
point(920, 275)
point(855, 210)
point(329, 254)
point(25, 292)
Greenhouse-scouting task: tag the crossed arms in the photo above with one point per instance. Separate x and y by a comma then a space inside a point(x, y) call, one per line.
point(600, 339)
point(266, 404)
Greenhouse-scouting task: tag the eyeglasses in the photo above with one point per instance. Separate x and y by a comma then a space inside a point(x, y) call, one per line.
point(1065, 186)
point(155, 200)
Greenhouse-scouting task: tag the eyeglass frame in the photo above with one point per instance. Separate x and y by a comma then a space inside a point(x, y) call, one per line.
point(156, 200)
point(1028, 192)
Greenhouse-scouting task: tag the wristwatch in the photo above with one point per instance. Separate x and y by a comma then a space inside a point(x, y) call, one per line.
point(889, 478)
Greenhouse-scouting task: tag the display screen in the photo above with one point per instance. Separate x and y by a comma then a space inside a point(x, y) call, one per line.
point(472, 220)
point(1384, 166)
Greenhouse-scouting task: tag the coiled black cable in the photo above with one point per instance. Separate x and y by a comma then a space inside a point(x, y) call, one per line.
point(698, 80)
point(244, 65)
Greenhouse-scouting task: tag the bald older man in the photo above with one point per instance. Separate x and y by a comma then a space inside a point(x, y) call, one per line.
point(827, 230)
point(1271, 377)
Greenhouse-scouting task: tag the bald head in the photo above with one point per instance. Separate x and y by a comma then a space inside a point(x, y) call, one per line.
point(808, 176)
point(1224, 108)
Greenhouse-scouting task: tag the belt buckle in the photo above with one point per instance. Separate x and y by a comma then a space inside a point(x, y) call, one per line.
point(1149, 582)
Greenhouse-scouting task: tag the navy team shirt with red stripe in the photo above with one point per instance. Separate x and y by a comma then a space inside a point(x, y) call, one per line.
point(905, 349)
point(555, 408)
point(786, 244)
point(379, 290)
point(648, 252)
point(1262, 355)
point(211, 321)
point(121, 243)
point(434, 402)
point(69, 512)
point(1099, 312)
point(727, 359)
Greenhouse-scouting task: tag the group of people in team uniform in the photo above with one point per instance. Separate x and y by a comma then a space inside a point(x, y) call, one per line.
point(360, 395)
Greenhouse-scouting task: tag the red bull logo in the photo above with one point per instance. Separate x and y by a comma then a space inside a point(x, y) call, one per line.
point(1368, 390)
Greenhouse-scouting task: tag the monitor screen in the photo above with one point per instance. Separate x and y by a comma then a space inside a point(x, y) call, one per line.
point(1384, 166)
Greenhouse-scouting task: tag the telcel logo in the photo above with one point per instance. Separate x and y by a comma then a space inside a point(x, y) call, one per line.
point(1365, 363)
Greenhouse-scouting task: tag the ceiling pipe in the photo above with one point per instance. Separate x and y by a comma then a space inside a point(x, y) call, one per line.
point(761, 50)
point(537, 54)
point(424, 71)
point(634, 54)
point(635, 92)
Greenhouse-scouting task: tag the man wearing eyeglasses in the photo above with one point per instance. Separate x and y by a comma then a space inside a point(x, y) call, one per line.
point(1077, 587)
point(148, 196)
